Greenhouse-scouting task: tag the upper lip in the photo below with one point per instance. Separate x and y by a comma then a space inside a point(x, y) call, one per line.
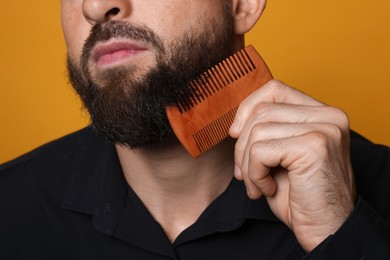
point(102, 49)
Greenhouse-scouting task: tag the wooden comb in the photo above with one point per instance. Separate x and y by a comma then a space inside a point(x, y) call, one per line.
point(203, 119)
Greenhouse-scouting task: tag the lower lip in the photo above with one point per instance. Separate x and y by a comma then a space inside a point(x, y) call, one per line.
point(117, 57)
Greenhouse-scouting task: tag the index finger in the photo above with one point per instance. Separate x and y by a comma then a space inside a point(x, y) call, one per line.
point(273, 91)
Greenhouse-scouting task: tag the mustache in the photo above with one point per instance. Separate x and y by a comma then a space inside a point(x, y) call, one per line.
point(120, 29)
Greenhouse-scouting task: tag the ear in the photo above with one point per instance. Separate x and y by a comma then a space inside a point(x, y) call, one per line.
point(246, 13)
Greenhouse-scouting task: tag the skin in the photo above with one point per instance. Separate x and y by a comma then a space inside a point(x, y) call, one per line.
point(290, 148)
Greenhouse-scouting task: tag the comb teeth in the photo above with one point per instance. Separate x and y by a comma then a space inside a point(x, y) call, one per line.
point(202, 119)
point(214, 132)
point(215, 79)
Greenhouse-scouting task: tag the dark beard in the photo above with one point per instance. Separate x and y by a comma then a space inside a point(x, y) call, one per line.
point(131, 111)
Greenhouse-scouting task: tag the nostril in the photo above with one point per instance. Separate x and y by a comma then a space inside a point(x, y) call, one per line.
point(113, 11)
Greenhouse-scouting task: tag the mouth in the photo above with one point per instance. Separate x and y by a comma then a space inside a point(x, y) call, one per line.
point(115, 53)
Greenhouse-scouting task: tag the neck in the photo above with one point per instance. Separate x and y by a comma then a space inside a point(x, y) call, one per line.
point(174, 187)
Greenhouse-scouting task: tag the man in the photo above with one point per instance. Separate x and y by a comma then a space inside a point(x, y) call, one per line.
point(141, 196)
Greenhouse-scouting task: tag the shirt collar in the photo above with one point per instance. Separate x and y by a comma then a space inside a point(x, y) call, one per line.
point(99, 188)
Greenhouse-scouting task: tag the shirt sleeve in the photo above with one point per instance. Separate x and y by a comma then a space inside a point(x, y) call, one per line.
point(364, 235)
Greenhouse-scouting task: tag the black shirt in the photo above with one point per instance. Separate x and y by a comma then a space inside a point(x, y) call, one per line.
point(69, 200)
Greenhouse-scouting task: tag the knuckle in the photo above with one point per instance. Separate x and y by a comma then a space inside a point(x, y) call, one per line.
point(318, 141)
point(254, 151)
point(260, 179)
point(335, 132)
point(254, 177)
point(262, 131)
point(344, 120)
point(341, 117)
point(262, 109)
point(257, 132)
point(275, 86)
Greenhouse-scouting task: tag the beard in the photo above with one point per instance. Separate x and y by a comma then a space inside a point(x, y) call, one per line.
point(129, 110)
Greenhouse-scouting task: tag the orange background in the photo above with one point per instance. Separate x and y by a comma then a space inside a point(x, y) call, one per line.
point(337, 52)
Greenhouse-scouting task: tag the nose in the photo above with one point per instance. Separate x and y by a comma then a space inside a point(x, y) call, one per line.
point(101, 11)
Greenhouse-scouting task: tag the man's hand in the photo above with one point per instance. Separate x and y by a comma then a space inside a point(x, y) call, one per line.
point(295, 151)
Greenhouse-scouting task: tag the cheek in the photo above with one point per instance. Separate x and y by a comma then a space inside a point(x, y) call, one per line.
point(185, 17)
point(75, 29)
